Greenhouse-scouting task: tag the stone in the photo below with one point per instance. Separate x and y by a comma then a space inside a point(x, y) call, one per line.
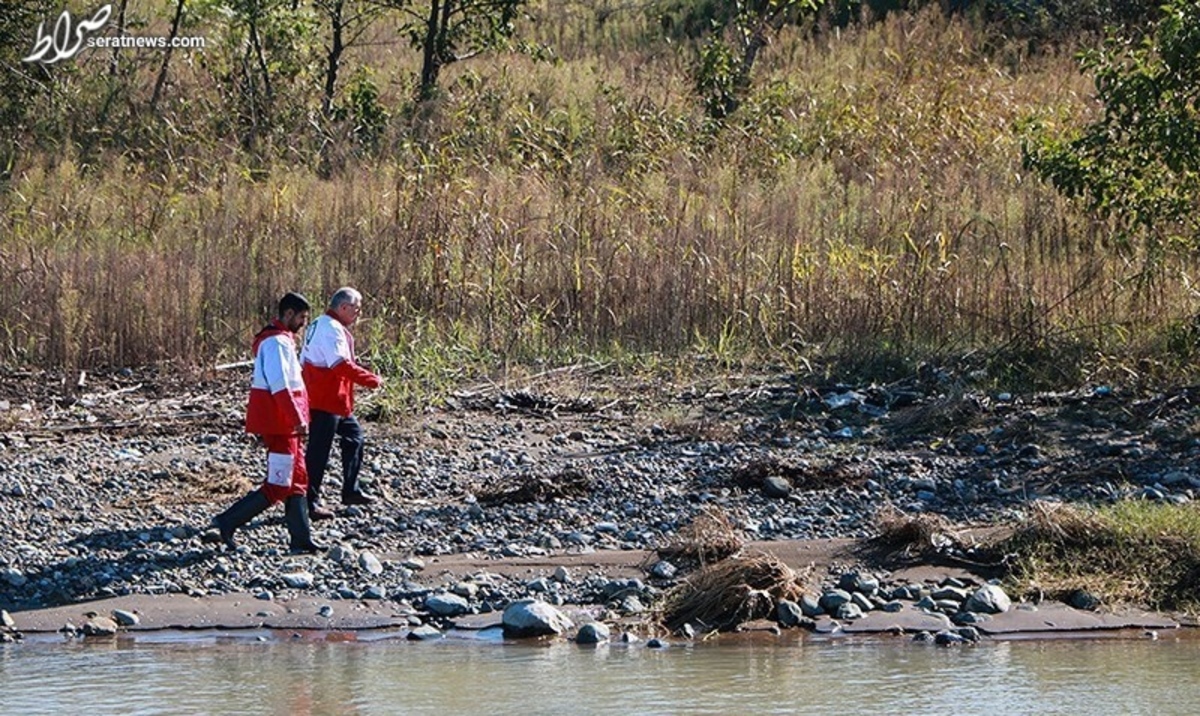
point(532, 617)
point(6, 620)
point(341, 553)
point(99, 626)
point(370, 564)
point(810, 606)
point(861, 601)
point(988, 599)
point(789, 614)
point(447, 605)
point(631, 605)
point(832, 599)
point(776, 488)
point(948, 593)
point(126, 619)
point(375, 591)
point(466, 590)
point(593, 633)
point(424, 633)
point(969, 633)
point(14, 577)
point(1083, 599)
point(848, 581)
point(298, 580)
point(562, 575)
point(849, 612)
point(663, 570)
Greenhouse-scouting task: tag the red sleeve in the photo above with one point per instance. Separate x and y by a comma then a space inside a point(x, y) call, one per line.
point(357, 374)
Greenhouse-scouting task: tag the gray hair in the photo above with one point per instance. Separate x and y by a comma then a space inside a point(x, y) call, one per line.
point(342, 296)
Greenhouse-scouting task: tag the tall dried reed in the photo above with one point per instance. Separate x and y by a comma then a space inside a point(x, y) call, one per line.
point(868, 200)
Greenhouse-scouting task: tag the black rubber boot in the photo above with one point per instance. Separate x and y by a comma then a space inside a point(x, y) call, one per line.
point(241, 512)
point(299, 529)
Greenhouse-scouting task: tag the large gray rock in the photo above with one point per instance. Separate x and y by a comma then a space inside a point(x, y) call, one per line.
point(988, 599)
point(776, 487)
point(532, 617)
point(447, 605)
point(298, 580)
point(125, 618)
point(13, 577)
point(832, 599)
point(99, 626)
point(424, 633)
point(593, 633)
point(789, 613)
point(370, 563)
point(810, 606)
point(948, 593)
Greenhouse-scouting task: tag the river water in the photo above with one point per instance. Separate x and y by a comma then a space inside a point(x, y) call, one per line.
point(322, 673)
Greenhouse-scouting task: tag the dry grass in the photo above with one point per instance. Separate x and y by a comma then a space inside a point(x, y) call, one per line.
point(723, 595)
point(533, 488)
point(218, 483)
point(912, 534)
point(1133, 552)
point(709, 538)
point(868, 199)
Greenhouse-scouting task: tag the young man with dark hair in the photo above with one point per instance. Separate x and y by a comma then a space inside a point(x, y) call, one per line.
point(331, 373)
point(278, 413)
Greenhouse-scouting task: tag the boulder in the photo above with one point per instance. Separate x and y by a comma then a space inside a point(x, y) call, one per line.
point(789, 614)
point(593, 633)
point(447, 605)
point(99, 626)
point(988, 599)
point(370, 564)
point(298, 580)
point(533, 617)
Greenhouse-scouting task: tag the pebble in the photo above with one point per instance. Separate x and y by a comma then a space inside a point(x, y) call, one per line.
point(636, 498)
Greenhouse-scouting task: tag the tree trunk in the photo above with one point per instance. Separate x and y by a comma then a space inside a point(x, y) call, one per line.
point(114, 64)
point(431, 59)
point(334, 58)
point(162, 71)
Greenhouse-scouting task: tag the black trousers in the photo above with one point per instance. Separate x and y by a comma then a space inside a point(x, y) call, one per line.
point(322, 428)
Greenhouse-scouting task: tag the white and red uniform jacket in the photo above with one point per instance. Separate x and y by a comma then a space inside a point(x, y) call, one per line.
point(278, 400)
point(330, 371)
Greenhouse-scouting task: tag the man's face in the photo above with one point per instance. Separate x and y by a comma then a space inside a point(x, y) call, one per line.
point(295, 320)
point(347, 313)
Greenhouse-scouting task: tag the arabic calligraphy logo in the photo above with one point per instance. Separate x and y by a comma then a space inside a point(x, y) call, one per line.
point(65, 43)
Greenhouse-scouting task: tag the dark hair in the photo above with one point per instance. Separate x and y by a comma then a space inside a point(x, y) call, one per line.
point(293, 301)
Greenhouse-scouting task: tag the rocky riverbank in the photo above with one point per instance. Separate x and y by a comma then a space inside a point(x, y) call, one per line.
point(107, 483)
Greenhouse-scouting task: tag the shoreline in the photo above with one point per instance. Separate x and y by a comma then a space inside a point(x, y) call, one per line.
point(485, 497)
point(299, 613)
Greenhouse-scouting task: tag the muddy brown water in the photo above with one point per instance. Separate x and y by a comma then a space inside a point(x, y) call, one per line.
point(262, 672)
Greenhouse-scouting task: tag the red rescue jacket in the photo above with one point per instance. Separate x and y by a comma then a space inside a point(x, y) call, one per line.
point(278, 400)
point(330, 370)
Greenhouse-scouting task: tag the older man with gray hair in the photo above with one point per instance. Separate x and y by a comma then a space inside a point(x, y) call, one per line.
point(331, 373)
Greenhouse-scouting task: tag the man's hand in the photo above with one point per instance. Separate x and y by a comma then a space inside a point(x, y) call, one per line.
point(302, 430)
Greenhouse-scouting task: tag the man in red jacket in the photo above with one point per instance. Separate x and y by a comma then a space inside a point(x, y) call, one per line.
point(331, 373)
point(278, 413)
